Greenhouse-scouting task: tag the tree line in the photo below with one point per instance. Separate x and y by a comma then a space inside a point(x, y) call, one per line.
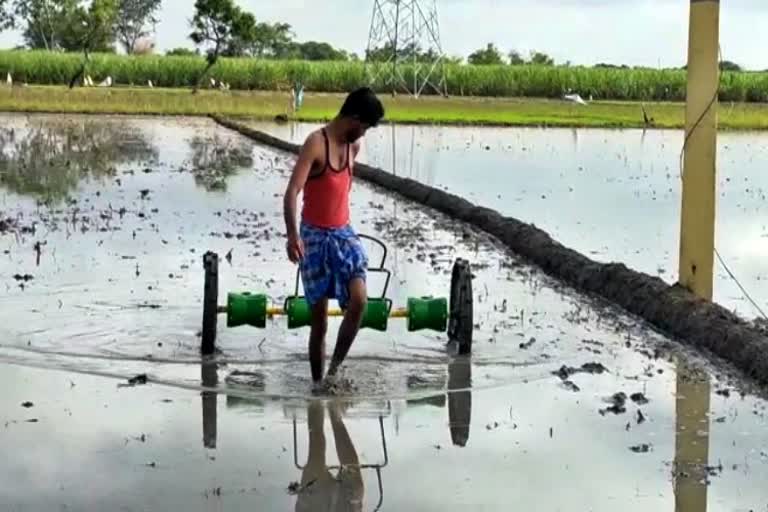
point(218, 28)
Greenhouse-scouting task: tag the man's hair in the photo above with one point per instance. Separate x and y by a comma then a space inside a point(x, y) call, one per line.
point(362, 104)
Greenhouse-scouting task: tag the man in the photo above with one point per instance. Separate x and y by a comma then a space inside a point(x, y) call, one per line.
point(330, 255)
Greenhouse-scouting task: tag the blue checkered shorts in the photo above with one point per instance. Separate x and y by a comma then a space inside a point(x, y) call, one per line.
point(332, 258)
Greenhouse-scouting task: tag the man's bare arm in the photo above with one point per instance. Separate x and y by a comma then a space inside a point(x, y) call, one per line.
point(299, 176)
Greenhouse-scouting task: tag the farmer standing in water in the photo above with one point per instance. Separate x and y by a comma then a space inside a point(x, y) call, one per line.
point(331, 258)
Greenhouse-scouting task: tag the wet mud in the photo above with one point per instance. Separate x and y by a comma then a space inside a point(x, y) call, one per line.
point(672, 309)
point(119, 303)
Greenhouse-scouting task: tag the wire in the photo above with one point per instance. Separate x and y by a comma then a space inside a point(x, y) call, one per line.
point(704, 113)
point(682, 155)
point(746, 294)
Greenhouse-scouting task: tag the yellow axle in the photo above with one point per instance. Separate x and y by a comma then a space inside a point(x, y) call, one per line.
point(395, 313)
point(276, 311)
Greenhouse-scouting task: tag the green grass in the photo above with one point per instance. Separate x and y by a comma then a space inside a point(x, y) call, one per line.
point(321, 107)
point(47, 68)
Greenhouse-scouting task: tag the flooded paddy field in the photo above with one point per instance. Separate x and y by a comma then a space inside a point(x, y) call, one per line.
point(565, 403)
point(613, 195)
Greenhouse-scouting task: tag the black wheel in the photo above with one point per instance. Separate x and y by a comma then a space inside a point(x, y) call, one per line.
point(460, 319)
point(210, 302)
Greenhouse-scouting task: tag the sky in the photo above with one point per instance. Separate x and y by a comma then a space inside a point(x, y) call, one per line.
point(633, 32)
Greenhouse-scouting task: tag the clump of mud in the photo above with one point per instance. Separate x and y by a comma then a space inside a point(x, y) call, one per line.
point(618, 404)
point(7, 224)
point(565, 372)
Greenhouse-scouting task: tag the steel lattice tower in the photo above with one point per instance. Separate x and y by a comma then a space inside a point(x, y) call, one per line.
point(398, 27)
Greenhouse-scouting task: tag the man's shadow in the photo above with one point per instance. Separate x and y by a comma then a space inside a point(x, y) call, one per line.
point(320, 489)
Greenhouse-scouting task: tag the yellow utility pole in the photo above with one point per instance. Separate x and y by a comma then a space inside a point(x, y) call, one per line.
point(697, 223)
point(697, 246)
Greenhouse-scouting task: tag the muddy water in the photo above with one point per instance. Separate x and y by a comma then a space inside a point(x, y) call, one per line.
point(611, 194)
point(117, 292)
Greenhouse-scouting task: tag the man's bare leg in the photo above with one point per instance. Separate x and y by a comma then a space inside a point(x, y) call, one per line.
point(353, 317)
point(317, 332)
point(350, 473)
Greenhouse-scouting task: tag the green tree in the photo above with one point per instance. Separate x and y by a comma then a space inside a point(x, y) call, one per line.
point(489, 55)
point(406, 53)
point(90, 29)
point(220, 27)
point(216, 27)
point(274, 40)
point(243, 36)
point(69, 25)
point(43, 21)
point(133, 21)
point(515, 59)
point(6, 16)
point(313, 50)
point(541, 59)
point(182, 52)
point(728, 65)
point(96, 30)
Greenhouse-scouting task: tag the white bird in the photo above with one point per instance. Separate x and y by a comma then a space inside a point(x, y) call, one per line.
point(8, 79)
point(107, 82)
point(576, 98)
point(213, 82)
point(149, 83)
point(87, 81)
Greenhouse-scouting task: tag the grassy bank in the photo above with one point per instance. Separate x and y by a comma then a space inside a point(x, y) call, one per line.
point(46, 68)
point(319, 107)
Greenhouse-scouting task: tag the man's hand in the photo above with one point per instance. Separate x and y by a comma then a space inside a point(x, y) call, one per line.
point(295, 249)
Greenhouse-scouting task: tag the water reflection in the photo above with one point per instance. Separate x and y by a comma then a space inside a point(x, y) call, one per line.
point(459, 399)
point(691, 468)
point(320, 489)
point(48, 159)
point(252, 381)
point(406, 156)
point(210, 379)
point(214, 159)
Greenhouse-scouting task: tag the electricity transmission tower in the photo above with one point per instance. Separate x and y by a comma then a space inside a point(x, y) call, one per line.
point(404, 48)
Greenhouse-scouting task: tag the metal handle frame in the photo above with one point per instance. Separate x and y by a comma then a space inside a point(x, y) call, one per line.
point(379, 270)
point(376, 467)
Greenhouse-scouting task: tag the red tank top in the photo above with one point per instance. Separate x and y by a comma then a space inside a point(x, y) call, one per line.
point(326, 194)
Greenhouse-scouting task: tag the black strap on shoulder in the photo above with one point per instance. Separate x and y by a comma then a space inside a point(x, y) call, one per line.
point(328, 162)
point(327, 148)
point(327, 158)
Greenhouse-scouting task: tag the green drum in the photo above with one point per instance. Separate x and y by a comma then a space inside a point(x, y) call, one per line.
point(246, 309)
point(427, 313)
point(298, 312)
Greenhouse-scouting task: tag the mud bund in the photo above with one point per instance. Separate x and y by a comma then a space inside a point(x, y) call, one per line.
point(671, 309)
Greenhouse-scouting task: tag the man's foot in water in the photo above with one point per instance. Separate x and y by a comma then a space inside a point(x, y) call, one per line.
point(328, 385)
point(317, 387)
